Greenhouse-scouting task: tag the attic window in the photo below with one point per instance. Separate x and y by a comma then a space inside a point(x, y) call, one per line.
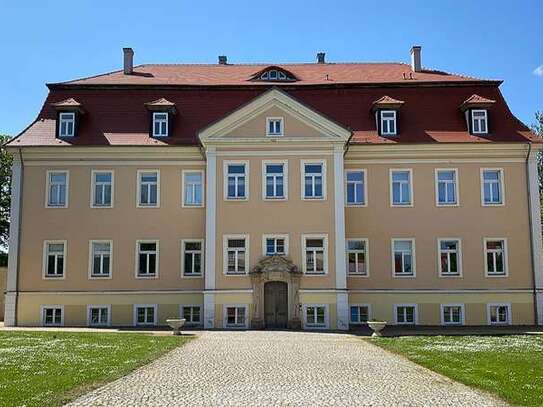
point(160, 124)
point(66, 126)
point(274, 74)
point(479, 121)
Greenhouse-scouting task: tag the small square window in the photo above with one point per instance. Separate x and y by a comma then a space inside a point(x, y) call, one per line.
point(235, 317)
point(316, 316)
point(360, 314)
point(98, 315)
point(406, 314)
point(452, 314)
point(499, 314)
point(145, 315)
point(275, 245)
point(274, 126)
point(192, 314)
point(52, 315)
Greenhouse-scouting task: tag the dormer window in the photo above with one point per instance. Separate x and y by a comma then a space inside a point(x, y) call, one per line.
point(476, 110)
point(388, 122)
point(66, 127)
point(479, 121)
point(274, 126)
point(386, 115)
point(160, 124)
point(273, 74)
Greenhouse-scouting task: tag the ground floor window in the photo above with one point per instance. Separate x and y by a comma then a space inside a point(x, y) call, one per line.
point(53, 315)
point(236, 316)
point(452, 314)
point(191, 314)
point(145, 314)
point(98, 315)
point(316, 316)
point(499, 314)
point(359, 314)
point(405, 314)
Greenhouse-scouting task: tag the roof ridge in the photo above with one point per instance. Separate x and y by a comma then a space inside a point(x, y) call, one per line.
point(277, 64)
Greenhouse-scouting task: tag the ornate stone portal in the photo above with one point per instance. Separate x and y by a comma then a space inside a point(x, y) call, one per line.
point(276, 268)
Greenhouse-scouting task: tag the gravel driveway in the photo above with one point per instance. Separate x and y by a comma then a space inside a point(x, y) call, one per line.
point(263, 368)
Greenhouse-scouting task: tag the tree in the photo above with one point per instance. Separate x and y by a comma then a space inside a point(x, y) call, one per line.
point(5, 192)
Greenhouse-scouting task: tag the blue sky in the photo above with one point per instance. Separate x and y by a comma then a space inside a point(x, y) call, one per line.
point(50, 41)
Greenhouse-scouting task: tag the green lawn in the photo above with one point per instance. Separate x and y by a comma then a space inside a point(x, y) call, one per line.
point(49, 368)
point(508, 366)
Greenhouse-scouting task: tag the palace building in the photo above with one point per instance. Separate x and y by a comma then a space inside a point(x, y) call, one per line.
point(310, 195)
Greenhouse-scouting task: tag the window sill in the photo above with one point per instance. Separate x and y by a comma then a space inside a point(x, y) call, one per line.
point(192, 206)
point(356, 205)
point(192, 275)
point(496, 275)
point(441, 275)
point(404, 275)
point(49, 277)
point(236, 274)
point(315, 274)
point(139, 206)
point(96, 277)
point(358, 275)
point(393, 205)
point(447, 205)
point(101, 206)
point(146, 277)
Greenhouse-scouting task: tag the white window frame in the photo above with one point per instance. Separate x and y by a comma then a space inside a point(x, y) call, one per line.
point(226, 163)
point(61, 120)
point(202, 260)
point(285, 179)
point(415, 314)
point(93, 189)
point(303, 163)
point(317, 326)
point(48, 306)
point(283, 236)
point(91, 260)
point(225, 254)
point(324, 237)
point(456, 185)
point(366, 253)
point(183, 185)
point(138, 189)
point(413, 257)
point(45, 259)
point(368, 306)
point(161, 121)
point(501, 183)
point(48, 187)
point(235, 326)
point(282, 125)
point(499, 304)
point(473, 111)
point(135, 314)
point(137, 257)
point(393, 119)
point(364, 188)
point(391, 189)
point(458, 255)
point(505, 257)
point(108, 307)
point(462, 316)
point(182, 314)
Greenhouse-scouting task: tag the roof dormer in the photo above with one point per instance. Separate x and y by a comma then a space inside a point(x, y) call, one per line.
point(161, 112)
point(387, 115)
point(69, 112)
point(274, 74)
point(476, 111)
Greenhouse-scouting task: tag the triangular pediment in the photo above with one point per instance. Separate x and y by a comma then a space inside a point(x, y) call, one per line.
point(248, 123)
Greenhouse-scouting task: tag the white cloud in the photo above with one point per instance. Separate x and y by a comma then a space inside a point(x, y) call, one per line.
point(538, 71)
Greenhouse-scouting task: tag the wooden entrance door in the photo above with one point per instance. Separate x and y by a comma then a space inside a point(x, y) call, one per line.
point(276, 305)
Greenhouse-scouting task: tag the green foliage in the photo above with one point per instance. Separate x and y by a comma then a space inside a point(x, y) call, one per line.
point(5, 192)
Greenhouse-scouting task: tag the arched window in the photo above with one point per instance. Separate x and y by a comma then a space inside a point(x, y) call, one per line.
point(274, 74)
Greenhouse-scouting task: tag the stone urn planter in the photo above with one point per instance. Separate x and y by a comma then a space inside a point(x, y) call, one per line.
point(377, 327)
point(176, 324)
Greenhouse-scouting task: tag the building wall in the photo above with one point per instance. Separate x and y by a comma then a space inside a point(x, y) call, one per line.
point(3, 281)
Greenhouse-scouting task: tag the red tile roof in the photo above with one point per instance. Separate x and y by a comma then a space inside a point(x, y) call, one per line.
point(476, 100)
point(387, 101)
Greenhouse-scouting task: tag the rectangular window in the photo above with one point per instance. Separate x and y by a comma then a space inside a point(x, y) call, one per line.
point(54, 259)
point(356, 187)
point(275, 245)
point(357, 257)
point(315, 254)
point(499, 314)
point(193, 188)
point(57, 189)
point(145, 315)
point(405, 314)
point(52, 315)
point(236, 316)
point(492, 187)
point(66, 126)
point(102, 189)
point(360, 314)
point(192, 257)
point(495, 257)
point(401, 188)
point(236, 181)
point(452, 314)
point(148, 188)
point(98, 315)
point(403, 257)
point(449, 257)
point(236, 256)
point(275, 126)
point(160, 124)
point(275, 180)
point(314, 184)
point(446, 187)
point(316, 316)
point(388, 123)
point(100, 258)
point(147, 259)
point(191, 314)
point(479, 122)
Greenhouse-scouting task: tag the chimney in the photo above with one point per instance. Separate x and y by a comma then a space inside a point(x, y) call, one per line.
point(416, 64)
point(320, 57)
point(223, 60)
point(128, 61)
